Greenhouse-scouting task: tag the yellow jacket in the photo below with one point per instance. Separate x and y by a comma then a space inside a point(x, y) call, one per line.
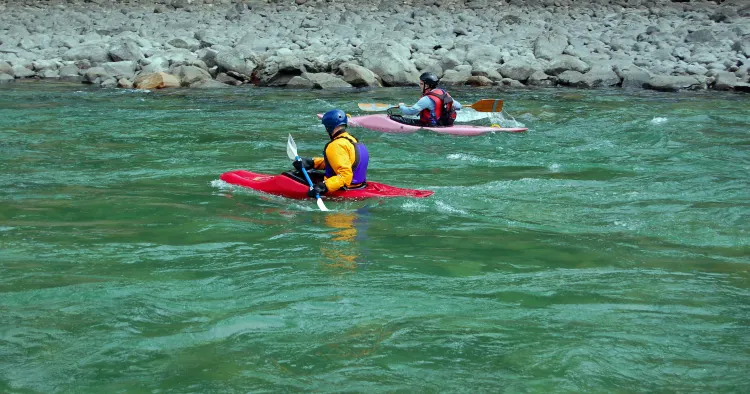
point(341, 155)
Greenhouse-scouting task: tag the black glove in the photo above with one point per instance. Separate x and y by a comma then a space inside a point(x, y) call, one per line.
point(303, 161)
point(319, 188)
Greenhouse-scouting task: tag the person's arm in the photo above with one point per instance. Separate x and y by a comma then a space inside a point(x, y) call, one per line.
point(319, 163)
point(456, 105)
point(339, 155)
point(423, 103)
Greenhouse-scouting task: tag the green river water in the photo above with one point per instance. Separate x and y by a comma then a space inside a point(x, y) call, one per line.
point(605, 250)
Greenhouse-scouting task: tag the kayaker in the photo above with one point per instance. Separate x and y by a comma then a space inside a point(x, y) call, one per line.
point(344, 158)
point(435, 108)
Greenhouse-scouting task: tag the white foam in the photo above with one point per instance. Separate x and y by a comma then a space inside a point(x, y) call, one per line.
point(470, 158)
point(658, 120)
point(443, 207)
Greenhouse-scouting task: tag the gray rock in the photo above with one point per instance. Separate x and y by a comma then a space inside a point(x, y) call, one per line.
point(229, 80)
point(6, 68)
point(359, 76)
point(634, 77)
point(669, 83)
point(483, 54)
point(512, 83)
point(154, 65)
point(185, 43)
point(391, 62)
point(95, 75)
point(457, 77)
point(68, 71)
point(49, 74)
point(119, 70)
point(596, 77)
point(41, 65)
point(539, 78)
point(564, 63)
point(6, 78)
point(190, 75)
point(725, 81)
point(20, 71)
point(326, 81)
point(479, 80)
point(548, 46)
point(700, 36)
point(239, 60)
point(94, 53)
point(300, 83)
point(125, 83)
point(518, 69)
point(125, 50)
point(742, 46)
point(207, 84)
point(109, 83)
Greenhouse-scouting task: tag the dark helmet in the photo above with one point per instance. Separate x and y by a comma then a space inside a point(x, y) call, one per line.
point(333, 118)
point(430, 79)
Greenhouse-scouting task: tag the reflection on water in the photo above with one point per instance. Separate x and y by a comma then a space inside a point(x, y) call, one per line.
point(343, 250)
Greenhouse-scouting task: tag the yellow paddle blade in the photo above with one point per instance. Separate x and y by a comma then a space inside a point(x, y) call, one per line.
point(488, 105)
point(374, 106)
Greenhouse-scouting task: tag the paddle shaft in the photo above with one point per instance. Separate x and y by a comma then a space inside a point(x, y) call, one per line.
point(485, 105)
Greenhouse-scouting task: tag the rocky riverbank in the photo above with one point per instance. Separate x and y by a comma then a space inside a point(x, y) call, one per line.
point(654, 44)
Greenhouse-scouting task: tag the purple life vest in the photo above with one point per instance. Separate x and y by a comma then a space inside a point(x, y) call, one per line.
point(359, 167)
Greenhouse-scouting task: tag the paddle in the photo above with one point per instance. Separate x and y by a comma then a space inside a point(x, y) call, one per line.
point(484, 105)
point(291, 151)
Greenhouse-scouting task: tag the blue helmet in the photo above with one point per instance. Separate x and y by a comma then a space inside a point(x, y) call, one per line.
point(333, 118)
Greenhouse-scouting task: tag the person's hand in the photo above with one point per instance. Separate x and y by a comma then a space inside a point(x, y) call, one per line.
point(307, 162)
point(318, 189)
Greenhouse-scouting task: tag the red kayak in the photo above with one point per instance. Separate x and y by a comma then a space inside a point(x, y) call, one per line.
point(288, 184)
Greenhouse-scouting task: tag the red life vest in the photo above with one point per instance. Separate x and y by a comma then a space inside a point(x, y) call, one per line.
point(443, 103)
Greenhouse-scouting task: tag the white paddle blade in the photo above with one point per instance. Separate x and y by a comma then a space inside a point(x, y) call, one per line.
point(321, 205)
point(291, 148)
point(374, 106)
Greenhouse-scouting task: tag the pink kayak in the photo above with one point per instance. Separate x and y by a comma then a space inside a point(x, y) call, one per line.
point(382, 122)
point(289, 185)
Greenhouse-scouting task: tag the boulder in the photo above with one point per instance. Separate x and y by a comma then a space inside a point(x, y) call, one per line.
point(670, 83)
point(519, 69)
point(95, 53)
point(157, 80)
point(239, 60)
point(325, 81)
point(228, 80)
point(479, 80)
point(6, 78)
point(456, 77)
point(6, 68)
point(22, 72)
point(548, 46)
point(207, 84)
point(359, 76)
point(725, 81)
point(125, 50)
point(95, 75)
point(298, 82)
point(564, 63)
point(634, 77)
point(190, 75)
point(190, 44)
point(391, 62)
point(124, 69)
point(596, 77)
point(124, 83)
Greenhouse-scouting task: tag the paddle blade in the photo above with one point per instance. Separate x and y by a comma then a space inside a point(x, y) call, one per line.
point(291, 148)
point(321, 205)
point(374, 106)
point(488, 105)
